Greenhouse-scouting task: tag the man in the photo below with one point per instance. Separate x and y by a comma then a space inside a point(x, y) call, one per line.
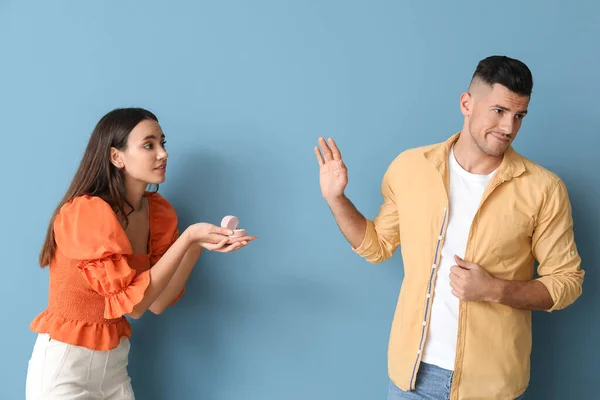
point(472, 216)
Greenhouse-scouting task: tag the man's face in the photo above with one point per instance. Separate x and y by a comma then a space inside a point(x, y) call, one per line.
point(494, 116)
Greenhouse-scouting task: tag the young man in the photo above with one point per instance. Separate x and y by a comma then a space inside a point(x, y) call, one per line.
point(472, 216)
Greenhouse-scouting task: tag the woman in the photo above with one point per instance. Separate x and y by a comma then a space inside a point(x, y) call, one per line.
point(114, 250)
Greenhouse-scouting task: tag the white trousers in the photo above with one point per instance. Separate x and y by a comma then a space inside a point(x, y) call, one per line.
point(63, 371)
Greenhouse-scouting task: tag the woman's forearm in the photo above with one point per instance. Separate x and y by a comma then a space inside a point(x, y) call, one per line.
point(162, 272)
point(178, 281)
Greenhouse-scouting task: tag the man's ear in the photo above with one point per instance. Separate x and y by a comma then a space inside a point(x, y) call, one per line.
point(466, 103)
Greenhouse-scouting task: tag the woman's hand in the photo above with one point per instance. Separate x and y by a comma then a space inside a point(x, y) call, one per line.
point(228, 245)
point(205, 233)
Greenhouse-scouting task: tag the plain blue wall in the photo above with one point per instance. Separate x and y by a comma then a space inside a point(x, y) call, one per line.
point(243, 89)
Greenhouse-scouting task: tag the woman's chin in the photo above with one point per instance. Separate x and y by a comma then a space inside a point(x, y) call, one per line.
point(156, 180)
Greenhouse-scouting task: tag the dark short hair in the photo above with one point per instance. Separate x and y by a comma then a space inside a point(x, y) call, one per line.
point(506, 71)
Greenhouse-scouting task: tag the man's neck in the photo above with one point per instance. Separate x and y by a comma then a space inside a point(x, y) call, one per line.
point(472, 159)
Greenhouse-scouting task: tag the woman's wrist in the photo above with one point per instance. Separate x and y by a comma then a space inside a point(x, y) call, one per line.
point(187, 238)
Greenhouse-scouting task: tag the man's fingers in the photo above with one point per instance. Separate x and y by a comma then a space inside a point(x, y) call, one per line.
point(457, 291)
point(454, 277)
point(463, 264)
point(337, 155)
point(325, 149)
point(453, 285)
point(319, 157)
point(459, 272)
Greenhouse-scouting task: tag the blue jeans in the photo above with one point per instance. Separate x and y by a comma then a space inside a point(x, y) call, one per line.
point(433, 383)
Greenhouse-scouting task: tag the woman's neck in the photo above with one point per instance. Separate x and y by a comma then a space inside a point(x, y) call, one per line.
point(133, 194)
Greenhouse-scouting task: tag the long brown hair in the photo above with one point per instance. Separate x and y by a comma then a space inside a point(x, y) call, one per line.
point(96, 175)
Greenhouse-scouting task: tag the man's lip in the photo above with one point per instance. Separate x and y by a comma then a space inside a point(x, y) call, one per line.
point(500, 136)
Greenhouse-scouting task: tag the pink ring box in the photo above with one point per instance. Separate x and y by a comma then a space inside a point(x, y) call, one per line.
point(231, 222)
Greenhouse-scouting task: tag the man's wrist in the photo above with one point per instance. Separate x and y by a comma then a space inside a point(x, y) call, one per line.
point(336, 200)
point(497, 291)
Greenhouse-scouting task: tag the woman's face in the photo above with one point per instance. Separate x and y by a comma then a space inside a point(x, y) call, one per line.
point(144, 159)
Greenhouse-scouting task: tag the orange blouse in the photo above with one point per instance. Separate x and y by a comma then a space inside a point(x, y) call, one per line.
point(95, 279)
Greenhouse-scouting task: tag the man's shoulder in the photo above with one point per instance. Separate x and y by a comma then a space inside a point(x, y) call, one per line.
point(412, 156)
point(538, 173)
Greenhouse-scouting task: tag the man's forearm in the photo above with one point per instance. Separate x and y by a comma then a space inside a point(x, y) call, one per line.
point(350, 221)
point(525, 295)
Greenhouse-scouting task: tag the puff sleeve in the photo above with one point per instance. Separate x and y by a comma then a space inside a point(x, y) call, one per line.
point(164, 230)
point(87, 230)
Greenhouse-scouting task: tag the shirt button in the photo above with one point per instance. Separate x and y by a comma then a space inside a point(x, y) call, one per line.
point(440, 237)
point(424, 323)
point(434, 266)
point(428, 295)
point(572, 252)
point(419, 351)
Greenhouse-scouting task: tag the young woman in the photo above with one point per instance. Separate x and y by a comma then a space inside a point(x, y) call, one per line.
point(114, 250)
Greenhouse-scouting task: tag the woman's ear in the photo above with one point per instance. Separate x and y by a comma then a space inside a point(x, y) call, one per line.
point(116, 158)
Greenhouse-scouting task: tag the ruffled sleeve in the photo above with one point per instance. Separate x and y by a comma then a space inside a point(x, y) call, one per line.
point(164, 229)
point(87, 230)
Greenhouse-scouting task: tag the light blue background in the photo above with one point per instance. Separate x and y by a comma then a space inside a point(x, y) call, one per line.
point(243, 89)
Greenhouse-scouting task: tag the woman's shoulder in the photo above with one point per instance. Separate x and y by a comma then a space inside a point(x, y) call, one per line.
point(86, 207)
point(160, 208)
point(163, 221)
point(87, 227)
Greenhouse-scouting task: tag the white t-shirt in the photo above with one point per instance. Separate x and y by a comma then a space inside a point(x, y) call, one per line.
point(466, 191)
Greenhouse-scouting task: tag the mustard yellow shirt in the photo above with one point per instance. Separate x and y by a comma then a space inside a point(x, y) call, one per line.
point(524, 215)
